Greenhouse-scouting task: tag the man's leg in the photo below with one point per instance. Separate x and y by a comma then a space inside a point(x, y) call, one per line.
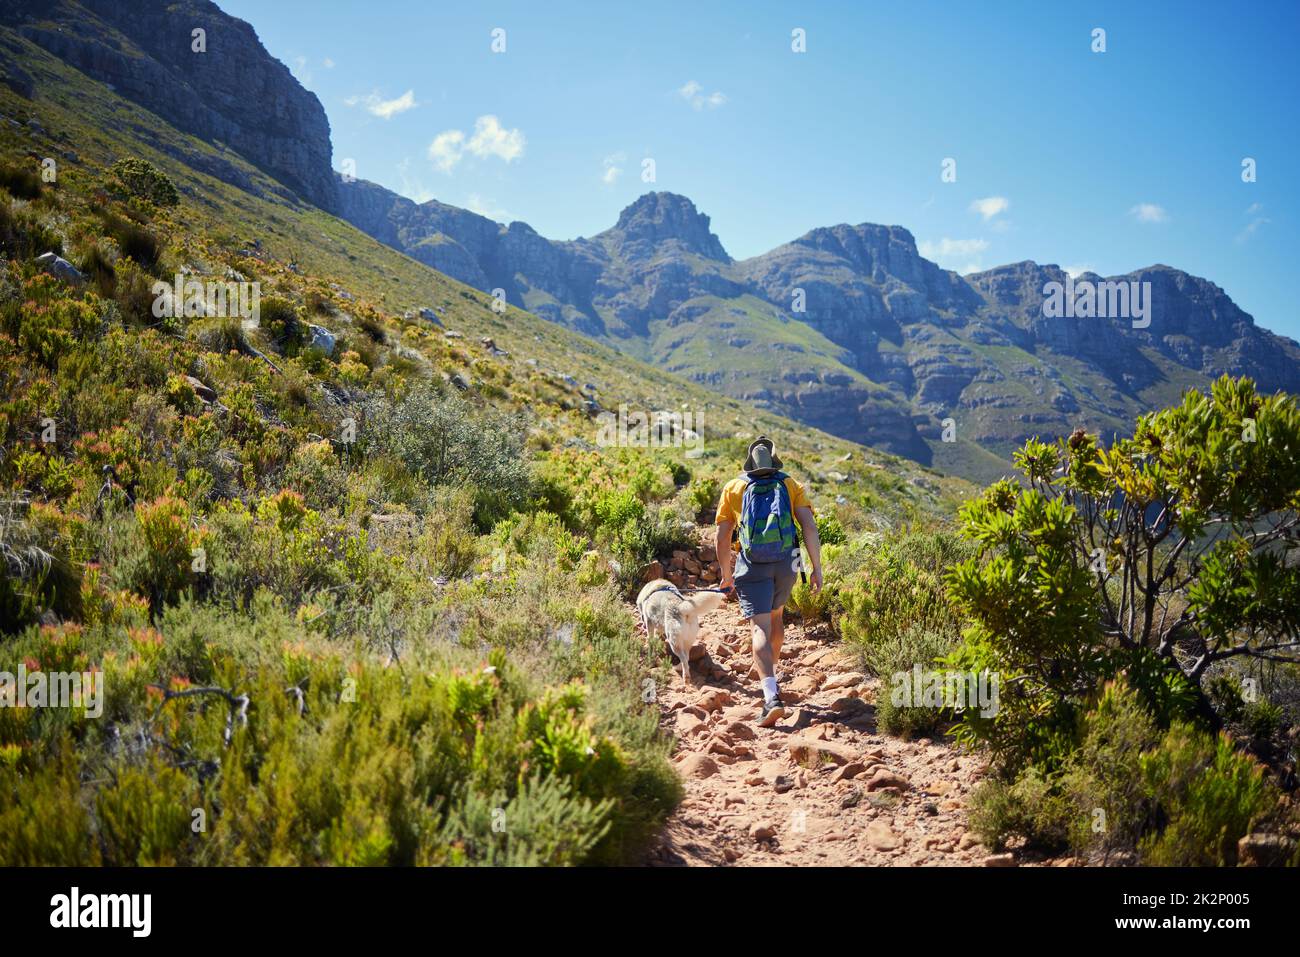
point(764, 659)
point(777, 635)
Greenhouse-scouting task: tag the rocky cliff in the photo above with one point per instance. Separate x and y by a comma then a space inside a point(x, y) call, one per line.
point(233, 93)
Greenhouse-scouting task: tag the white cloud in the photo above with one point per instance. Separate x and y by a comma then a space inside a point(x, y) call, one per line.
point(484, 207)
point(490, 138)
point(613, 165)
point(951, 248)
point(1074, 272)
point(962, 255)
point(1255, 210)
point(990, 206)
point(1149, 213)
point(446, 149)
point(384, 109)
point(412, 186)
point(694, 94)
point(329, 64)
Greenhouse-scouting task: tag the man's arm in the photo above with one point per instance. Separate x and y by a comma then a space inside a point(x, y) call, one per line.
point(722, 546)
point(804, 515)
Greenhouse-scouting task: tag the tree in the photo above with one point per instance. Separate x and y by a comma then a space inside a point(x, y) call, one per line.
point(1159, 556)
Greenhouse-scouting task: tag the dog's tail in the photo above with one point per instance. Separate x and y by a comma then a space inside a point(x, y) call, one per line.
point(703, 601)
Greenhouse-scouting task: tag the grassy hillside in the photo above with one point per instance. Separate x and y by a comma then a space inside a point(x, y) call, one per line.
point(349, 605)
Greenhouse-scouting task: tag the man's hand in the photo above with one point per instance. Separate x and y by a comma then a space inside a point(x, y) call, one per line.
point(815, 580)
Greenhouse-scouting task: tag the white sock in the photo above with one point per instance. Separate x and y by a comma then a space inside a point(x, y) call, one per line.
point(769, 689)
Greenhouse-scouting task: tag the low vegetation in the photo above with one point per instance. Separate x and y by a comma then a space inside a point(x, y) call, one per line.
point(363, 599)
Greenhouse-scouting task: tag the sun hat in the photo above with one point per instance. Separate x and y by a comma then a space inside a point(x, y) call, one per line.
point(761, 459)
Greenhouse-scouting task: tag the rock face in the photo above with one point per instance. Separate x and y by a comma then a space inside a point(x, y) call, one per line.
point(235, 93)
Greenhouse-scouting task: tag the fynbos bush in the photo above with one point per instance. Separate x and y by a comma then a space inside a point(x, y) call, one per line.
point(143, 180)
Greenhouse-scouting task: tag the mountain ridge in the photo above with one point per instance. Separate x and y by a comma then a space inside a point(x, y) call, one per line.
point(886, 316)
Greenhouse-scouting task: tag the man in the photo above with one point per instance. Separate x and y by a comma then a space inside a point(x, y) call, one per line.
point(760, 504)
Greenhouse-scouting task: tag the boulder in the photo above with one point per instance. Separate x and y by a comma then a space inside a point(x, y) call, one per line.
point(881, 837)
point(811, 752)
point(1264, 850)
point(698, 766)
point(60, 268)
point(205, 393)
point(761, 831)
point(885, 778)
point(322, 339)
point(847, 680)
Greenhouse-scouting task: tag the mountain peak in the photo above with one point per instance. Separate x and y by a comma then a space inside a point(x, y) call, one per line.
point(656, 218)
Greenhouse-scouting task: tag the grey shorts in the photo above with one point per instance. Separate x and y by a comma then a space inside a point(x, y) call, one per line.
point(763, 587)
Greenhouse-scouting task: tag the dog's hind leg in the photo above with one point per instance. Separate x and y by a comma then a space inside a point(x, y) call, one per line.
point(645, 626)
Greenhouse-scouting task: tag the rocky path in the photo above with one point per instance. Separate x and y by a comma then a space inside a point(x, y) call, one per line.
point(822, 786)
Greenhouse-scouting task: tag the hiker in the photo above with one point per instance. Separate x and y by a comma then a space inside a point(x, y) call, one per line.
point(763, 505)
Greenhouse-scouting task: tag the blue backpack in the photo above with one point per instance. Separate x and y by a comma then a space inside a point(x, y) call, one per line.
point(766, 520)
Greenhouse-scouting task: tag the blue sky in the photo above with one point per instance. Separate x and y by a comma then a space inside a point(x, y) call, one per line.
point(1107, 161)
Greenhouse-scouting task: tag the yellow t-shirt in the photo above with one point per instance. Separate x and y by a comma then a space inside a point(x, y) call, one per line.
point(734, 492)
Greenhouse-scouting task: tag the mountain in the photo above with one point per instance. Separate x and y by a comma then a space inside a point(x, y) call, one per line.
point(398, 315)
point(849, 328)
point(232, 94)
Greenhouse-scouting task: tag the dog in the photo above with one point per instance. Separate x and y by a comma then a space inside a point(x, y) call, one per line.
point(664, 609)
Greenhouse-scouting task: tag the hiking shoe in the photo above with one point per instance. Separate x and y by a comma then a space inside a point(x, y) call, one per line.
point(773, 711)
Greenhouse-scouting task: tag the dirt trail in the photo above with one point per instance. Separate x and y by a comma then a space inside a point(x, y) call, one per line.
point(822, 786)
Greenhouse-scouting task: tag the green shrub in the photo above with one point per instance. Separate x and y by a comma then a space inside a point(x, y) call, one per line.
point(134, 241)
point(159, 553)
point(21, 182)
point(25, 233)
point(1210, 796)
point(143, 180)
point(893, 657)
point(703, 494)
point(99, 269)
point(1029, 808)
point(1179, 797)
point(222, 335)
point(542, 825)
point(443, 440)
point(899, 586)
point(829, 529)
point(279, 319)
point(1078, 572)
point(37, 566)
